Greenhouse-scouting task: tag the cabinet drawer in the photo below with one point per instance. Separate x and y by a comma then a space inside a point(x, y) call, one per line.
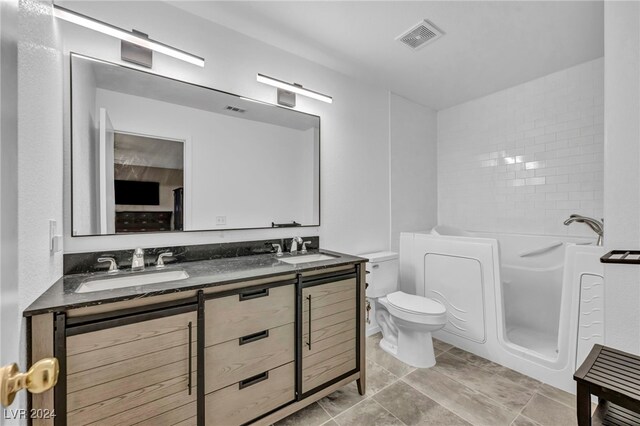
point(237, 359)
point(249, 312)
point(242, 402)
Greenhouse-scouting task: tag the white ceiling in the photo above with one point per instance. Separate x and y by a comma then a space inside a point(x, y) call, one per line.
point(136, 150)
point(488, 45)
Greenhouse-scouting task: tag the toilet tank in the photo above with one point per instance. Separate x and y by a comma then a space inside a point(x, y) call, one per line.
point(382, 274)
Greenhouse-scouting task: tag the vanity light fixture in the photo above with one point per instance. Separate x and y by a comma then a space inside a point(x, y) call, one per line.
point(289, 99)
point(132, 37)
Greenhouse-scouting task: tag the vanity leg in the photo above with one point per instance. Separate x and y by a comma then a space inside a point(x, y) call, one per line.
point(362, 388)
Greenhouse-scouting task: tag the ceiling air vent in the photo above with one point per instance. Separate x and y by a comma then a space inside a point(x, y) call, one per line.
point(420, 35)
point(235, 109)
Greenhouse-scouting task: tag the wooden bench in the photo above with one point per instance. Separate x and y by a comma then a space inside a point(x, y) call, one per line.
point(614, 377)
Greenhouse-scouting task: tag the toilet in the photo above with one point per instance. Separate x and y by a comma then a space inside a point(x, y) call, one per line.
point(406, 320)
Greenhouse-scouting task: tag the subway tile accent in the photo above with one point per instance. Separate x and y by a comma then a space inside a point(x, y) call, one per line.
point(525, 158)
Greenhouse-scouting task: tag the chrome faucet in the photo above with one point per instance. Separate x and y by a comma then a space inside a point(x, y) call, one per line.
point(113, 266)
point(137, 263)
point(596, 225)
point(160, 262)
point(294, 244)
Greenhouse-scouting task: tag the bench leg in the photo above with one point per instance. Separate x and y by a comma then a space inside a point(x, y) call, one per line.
point(583, 404)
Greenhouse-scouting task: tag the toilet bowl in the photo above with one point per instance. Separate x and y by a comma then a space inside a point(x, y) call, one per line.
point(406, 320)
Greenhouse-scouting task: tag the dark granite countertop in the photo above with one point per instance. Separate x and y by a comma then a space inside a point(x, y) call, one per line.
point(61, 296)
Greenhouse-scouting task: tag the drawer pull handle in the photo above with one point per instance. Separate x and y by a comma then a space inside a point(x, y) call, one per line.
point(253, 337)
point(254, 294)
point(190, 354)
point(253, 380)
point(309, 342)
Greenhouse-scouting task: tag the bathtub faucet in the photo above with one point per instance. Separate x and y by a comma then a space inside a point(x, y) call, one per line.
point(595, 224)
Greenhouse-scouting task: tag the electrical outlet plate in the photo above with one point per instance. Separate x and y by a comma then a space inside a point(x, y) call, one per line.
point(221, 220)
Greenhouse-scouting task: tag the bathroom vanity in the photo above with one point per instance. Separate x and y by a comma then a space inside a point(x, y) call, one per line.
point(242, 340)
point(235, 340)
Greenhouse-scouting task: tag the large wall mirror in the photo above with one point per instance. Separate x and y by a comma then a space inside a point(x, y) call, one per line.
point(154, 154)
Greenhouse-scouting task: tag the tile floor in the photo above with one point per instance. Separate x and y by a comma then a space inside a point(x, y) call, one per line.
point(462, 389)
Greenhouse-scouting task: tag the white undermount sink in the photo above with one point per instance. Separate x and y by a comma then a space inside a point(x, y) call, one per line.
point(307, 258)
point(130, 280)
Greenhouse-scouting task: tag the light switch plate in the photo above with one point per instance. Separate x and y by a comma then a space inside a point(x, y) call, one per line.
point(55, 240)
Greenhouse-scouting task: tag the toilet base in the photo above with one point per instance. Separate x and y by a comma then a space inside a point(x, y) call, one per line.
point(414, 348)
point(390, 348)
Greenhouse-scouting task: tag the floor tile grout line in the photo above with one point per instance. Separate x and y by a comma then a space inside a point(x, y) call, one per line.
point(353, 406)
point(394, 375)
point(447, 350)
point(385, 409)
point(396, 380)
point(538, 384)
point(523, 407)
point(385, 387)
point(441, 404)
point(497, 403)
point(437, 402)
point(528, 418)
point(485, 368)
point(554, 399)
point(323, 409)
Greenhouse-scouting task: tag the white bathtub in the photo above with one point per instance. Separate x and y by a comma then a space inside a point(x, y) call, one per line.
point(531, 303)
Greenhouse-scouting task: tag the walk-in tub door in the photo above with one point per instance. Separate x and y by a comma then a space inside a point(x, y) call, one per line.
point(457, 282)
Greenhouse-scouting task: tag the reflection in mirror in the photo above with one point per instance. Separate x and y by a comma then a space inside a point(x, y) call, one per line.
point(149, 182)
point(153, 154)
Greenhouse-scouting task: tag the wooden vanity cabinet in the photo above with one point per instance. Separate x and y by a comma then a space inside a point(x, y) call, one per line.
point(138, 369)
point(330, 335)
point(249, 352)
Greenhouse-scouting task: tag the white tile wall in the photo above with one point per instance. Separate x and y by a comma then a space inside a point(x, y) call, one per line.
point(525, 158)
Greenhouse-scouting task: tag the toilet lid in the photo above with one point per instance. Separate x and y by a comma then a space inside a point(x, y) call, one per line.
point(416, 304)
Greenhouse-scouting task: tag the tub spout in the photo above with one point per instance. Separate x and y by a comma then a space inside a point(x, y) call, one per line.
point(596, 225)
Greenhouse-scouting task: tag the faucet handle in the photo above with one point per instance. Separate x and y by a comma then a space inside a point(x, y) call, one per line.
point(113, 266)
point(304, 246)
point(278, 249)
point(160, 261)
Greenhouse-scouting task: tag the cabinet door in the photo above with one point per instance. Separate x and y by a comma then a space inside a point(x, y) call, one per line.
point(328, 331)
point(139, 373)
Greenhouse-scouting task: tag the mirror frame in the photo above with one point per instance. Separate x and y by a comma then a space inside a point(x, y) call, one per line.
point(79, 55)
